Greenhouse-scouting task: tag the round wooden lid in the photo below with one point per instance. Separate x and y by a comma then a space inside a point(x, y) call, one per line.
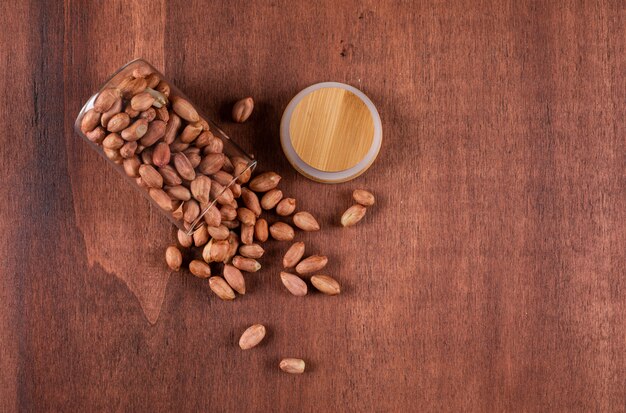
point(331, 132)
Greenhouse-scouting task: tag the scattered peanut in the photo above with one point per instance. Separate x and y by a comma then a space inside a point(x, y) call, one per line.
point(293, 255)
point(311, 264)
point(243, 109)
point(286, 207)
point(305, 221)
point(221, 288)
point(292, 365)
point(173, 257)
point(246, 264)
point(363, 197)
point(294, 284)
point(353, 215)
point(271, 199)
point(200, 269)
point(282, 232)
point(235, 279)
point(252, 336)
point(326, 284)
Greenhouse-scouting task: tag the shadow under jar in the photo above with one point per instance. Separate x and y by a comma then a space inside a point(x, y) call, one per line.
point(153, 135)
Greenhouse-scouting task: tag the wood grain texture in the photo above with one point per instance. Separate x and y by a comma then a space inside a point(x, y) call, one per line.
point(331, 129)
point(488, 277)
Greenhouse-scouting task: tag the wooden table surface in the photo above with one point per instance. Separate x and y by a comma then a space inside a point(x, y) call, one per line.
point(490, 276)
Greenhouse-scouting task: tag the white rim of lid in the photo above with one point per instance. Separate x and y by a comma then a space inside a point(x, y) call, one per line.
point(314, 173)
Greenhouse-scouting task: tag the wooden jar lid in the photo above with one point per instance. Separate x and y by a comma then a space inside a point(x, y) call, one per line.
point(331, 132)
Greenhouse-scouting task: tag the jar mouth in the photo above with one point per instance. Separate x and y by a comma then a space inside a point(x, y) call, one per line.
point(196, 224)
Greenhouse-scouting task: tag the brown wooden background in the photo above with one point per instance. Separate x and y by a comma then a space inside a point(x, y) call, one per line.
point(490, 276)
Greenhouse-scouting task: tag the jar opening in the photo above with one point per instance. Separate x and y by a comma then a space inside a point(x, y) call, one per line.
point(197, 223)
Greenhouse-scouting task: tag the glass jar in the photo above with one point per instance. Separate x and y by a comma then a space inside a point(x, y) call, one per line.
point(155, 137)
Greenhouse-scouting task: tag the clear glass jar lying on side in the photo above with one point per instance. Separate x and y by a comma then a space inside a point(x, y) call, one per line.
point(164, 145)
